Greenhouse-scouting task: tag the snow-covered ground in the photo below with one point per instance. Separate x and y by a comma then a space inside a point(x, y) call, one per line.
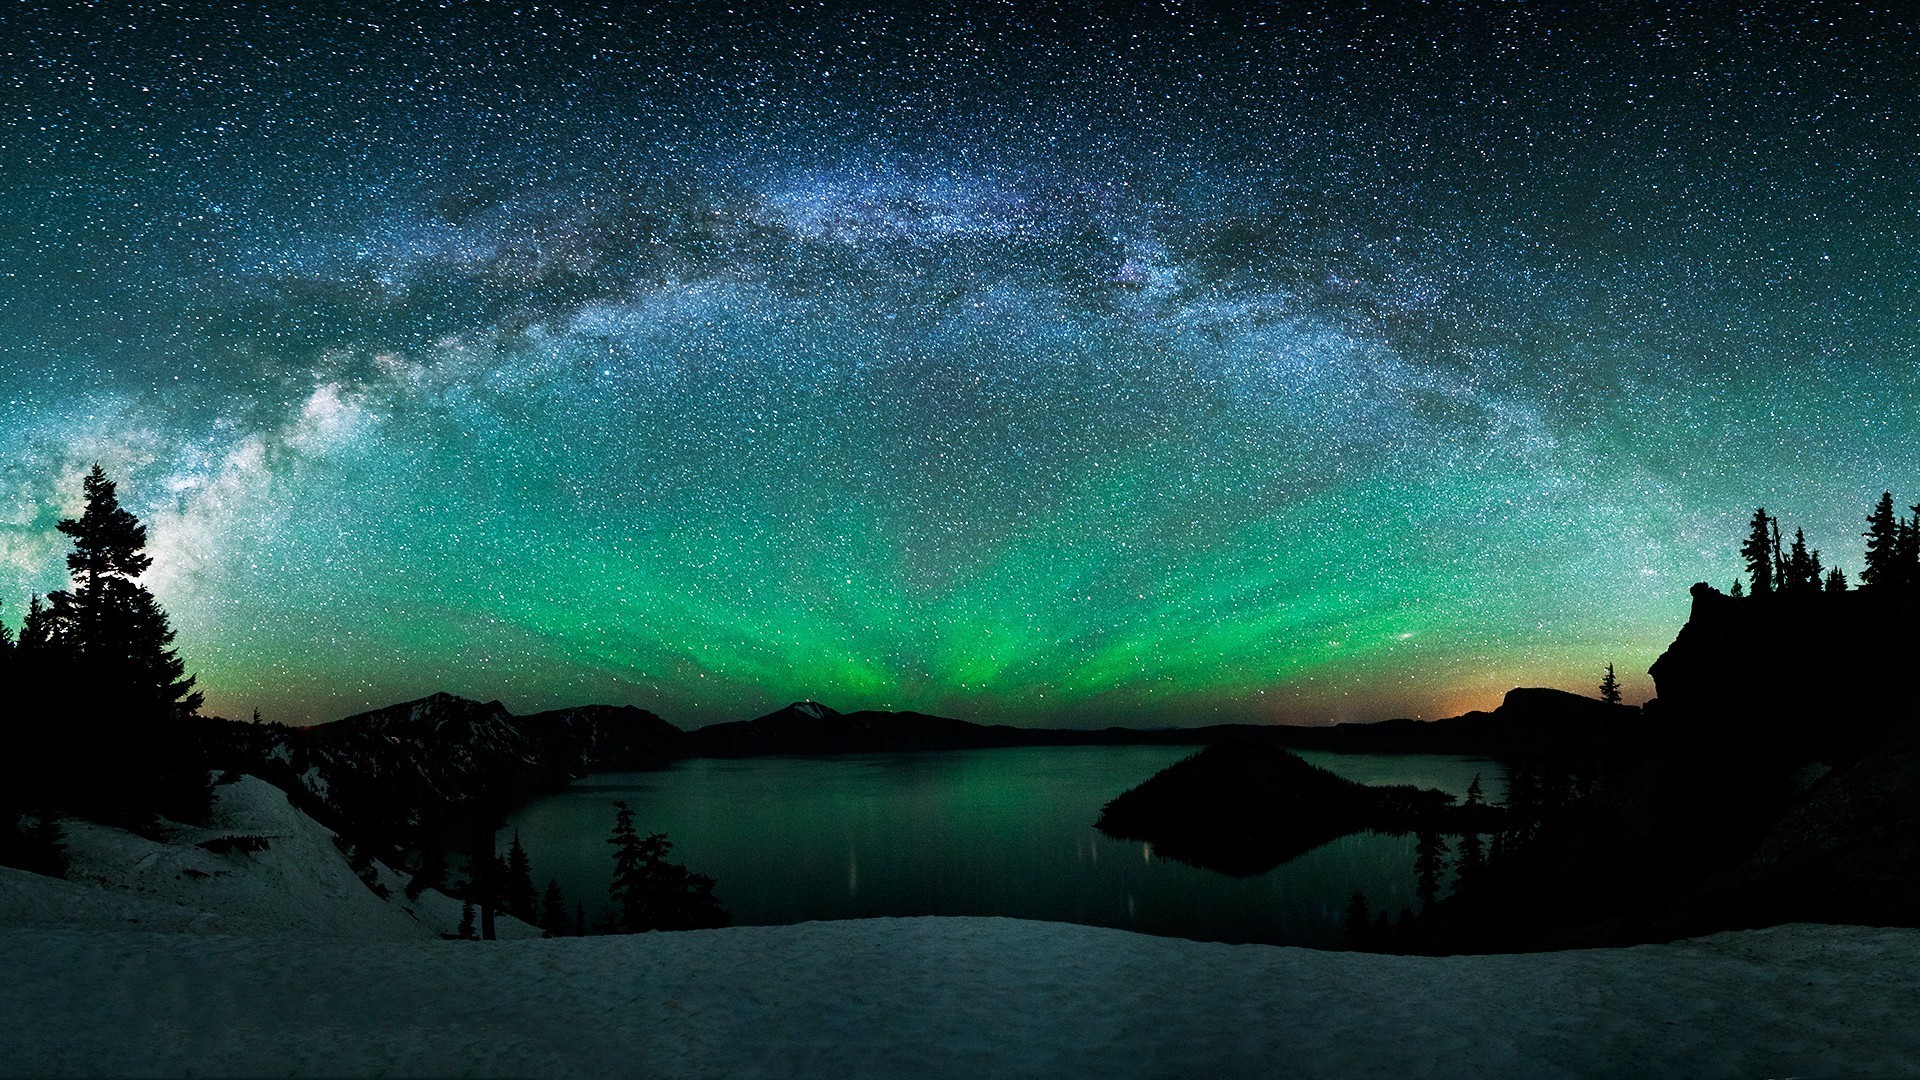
point(140, 974)
point(296, 884)
point(950, 998)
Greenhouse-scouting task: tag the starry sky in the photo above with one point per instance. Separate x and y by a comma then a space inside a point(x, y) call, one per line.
point(1141, 363)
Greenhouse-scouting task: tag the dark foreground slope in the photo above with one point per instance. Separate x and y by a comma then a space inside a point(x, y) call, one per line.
point(1778, 780)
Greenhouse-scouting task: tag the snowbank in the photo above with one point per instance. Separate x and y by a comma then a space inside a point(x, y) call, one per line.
point(271, 870)
point(173, 959)
point(951, 997)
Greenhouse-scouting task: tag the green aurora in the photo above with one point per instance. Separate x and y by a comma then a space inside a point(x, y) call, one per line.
point(1159, 367)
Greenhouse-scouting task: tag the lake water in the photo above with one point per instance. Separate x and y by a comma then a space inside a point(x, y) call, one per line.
point(976, 832)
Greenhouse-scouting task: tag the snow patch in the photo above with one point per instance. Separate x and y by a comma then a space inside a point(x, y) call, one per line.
point(261, 868)
point(963, 997)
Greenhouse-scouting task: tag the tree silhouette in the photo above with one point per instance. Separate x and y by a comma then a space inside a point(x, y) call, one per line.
point(1881, 567)
point(518, 894)
point(1359, 925)
point(1609, 691)
point(431, 870)
point(650, 893)
point(554, 917)
point(1907, 564)
point(103, 651)
point(1836, 580)
point(1758, 552)
point(1429, 863)
point(1779, 561)
point(1802, 569)
point(30, 835)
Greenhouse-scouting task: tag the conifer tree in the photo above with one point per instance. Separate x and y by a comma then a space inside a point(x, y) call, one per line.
point(430, 871)
point(1758, 553)
point(553, 910)
point(1477, 795)
point(521, 899)
point(1473, 858)
point(1609, 689)
point(1429, 863)
point(30, 834)
point(1836, 580)
point(1802, 569)
point(1880, 569)
point(1738, 589)
point(106, 646)
point(627, 866)
point(1359, 921)
point(650, 893)
point(1779, 560)
point(1909, 562)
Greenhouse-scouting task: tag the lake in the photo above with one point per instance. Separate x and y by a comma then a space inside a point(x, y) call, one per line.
point(973, 832)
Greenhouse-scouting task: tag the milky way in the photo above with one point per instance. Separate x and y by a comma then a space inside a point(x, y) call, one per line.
point(1154, 366)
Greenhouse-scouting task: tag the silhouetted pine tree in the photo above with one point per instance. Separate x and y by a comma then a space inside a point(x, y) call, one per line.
point(650, 893)
point(1802, 568)
point(521, 899)
point(44, 755)
point(1758, 552)
point(1359, 925)
point(1472, 860)
point(627, 865)
point(1609, 689)
point(465, 932)
point(105, 648)
point(483, 866)
point(1738, 589)
point(1908, 572)
point(1881, 567)
point(553, 910)
point(1836, 580)
point(30, 834)
point(1429, 863)
point(1779, 559)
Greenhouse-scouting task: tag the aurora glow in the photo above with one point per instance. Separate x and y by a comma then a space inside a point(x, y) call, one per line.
point(1157, 365)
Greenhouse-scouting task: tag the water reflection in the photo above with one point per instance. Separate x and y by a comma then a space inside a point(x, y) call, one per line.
point(987, 832)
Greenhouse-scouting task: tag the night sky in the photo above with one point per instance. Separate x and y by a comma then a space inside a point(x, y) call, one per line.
point(1153, 366)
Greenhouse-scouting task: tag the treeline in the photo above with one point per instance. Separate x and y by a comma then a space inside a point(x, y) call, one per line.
point(646, 892)
point(101, 721)
point(1891, 561)
point(1549, 781)
point(101, 715)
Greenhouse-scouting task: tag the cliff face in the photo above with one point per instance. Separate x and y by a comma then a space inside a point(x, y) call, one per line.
point(385, 777)
point(1826, 673)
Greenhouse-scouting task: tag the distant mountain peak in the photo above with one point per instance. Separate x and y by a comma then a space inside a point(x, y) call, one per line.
point(808, 709)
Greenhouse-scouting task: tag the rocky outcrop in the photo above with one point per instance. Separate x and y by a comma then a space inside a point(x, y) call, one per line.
point(1813, 676)
point(382, 777)
point(1245, 808)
